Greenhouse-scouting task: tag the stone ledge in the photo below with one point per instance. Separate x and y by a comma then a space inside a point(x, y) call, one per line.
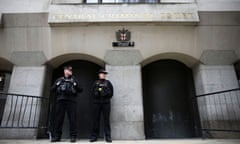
point(160, 13)
point(219, 18)
point(177, 1)
point(67, 1)
point(25, 19)
point(28, 58)
point(218, 57)
point(81, 1)
point(18, 133)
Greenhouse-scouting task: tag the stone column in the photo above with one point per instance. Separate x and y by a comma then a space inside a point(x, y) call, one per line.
point(28, 78)
point(127, 105)
point(216, 111)
point(211, 78)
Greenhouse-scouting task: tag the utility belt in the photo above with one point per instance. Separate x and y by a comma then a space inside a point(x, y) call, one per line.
point(102, 100)
point(63, 90)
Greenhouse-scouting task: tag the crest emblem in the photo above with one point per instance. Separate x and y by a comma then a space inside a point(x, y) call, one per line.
point(123, 35)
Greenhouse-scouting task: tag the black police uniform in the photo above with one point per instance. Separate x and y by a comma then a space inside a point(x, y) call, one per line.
point(102, 92)
point(66, 90)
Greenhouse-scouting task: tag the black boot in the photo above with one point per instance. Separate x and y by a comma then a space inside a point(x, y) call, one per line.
point(73, 139)
point(108, 139)
point(55, 139)
point(93, 139)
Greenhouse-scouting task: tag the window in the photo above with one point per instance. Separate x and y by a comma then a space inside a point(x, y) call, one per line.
point(121, 1)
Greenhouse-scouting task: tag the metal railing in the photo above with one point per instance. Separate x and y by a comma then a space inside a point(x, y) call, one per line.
point(219, 111)
point(20, 111)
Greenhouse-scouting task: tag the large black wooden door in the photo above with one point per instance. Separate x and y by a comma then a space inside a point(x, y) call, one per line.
point(85, 72)
point(167, 92)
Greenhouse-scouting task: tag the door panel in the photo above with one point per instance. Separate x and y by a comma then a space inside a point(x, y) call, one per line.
point(167, 100)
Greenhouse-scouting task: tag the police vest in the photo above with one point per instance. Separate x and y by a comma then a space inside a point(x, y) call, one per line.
point(66, 86)
point(102, 87)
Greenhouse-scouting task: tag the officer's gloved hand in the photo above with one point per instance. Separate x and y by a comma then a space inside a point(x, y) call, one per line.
point(75, 84)
point(100, 89)
point(58, 83)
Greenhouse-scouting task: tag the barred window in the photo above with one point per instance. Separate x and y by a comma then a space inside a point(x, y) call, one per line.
point(121, 1)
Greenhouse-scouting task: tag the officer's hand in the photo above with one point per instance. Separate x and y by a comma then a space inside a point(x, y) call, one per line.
point(74, 84)
point(58, 83)
point(100, 89)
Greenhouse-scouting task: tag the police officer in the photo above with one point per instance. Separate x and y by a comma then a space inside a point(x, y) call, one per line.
point(102, 92)
point(66, 89)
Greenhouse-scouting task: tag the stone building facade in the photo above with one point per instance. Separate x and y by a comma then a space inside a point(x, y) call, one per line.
point(195, 38)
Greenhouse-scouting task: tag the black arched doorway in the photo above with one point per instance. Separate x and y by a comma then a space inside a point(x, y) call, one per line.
point(169, 111)
point(85, 72)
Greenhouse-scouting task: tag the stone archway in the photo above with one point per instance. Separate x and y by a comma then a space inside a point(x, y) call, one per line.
point(84, 69)
point(168, 88)
point(61, 59)
point(186, 59)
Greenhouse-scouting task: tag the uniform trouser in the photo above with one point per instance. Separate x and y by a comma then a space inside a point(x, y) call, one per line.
point(98, 109)
point(62, 107)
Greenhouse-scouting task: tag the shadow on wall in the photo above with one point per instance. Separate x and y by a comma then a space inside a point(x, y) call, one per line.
point(237, 68)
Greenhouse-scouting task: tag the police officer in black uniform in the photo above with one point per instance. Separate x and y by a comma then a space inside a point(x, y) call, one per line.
point(102, 92)
point(66, 89)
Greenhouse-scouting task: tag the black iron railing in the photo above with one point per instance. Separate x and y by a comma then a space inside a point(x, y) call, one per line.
point(219, 111)
point(21, 111)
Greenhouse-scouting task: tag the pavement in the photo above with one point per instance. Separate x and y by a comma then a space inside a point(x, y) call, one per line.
point(165, 141)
